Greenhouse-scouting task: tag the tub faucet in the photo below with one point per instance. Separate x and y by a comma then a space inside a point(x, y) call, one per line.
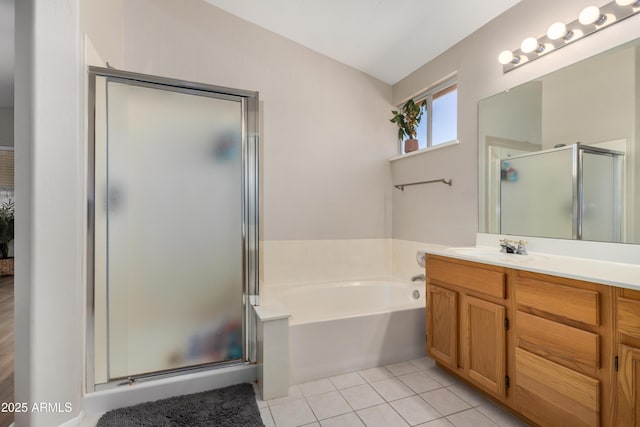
point(418, 277)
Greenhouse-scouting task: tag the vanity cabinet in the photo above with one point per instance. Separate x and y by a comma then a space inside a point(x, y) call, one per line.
point(541, 345)
point(558, 334)
point(628, 346)
point(466, 315)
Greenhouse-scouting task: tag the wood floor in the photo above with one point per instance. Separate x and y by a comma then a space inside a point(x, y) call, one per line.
point(6, 346)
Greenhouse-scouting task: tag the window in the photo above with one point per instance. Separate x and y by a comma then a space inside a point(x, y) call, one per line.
point(439, 122)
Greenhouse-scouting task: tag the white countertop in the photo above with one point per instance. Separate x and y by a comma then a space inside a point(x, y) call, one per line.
point(605, 272)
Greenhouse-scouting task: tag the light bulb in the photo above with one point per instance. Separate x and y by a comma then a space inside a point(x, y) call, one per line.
point(557, 31)
point(529, 44)
point(625, 2)
point(505, 57)
point(589, 15)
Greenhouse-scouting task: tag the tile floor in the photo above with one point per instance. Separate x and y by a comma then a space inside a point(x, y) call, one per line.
point(412, 393)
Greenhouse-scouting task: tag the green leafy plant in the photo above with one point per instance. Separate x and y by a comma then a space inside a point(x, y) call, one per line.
point(408, 118)
point(7, 213)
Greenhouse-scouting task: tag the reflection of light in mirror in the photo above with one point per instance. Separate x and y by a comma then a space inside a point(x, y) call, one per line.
point(610, 19)
point(577, 34)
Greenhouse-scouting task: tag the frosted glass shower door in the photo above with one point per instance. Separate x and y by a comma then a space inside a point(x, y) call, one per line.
point(174, 228)
point(536, 195)
point(600, 201)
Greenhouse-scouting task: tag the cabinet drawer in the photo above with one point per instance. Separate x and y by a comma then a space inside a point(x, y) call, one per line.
point(476, 279)
point(553, 395)
point(629, 317)
point(570, 303)
point(568, 346)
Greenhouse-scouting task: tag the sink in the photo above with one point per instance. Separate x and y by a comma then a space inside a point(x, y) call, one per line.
point(493, 254)
point(482, 253)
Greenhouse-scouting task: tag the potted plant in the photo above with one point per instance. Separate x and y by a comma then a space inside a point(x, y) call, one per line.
point(408, 119)
point(7, 210)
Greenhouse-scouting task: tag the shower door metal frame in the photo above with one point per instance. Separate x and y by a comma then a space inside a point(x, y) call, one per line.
point(250, 211)
point(617, 157)
point(577, 202)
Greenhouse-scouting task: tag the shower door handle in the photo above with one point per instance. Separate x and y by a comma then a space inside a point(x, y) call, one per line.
point(115, 198)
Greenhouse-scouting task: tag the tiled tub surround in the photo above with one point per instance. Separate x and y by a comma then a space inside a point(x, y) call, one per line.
point(340, 327)
point(300, 262)
point(414, 392)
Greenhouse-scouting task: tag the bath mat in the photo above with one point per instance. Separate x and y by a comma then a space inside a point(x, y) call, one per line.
point(231, 406)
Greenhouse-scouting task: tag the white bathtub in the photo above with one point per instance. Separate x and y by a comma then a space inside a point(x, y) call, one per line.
point(341, 327)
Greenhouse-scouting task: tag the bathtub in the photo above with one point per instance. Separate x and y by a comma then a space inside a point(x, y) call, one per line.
point(341, 327)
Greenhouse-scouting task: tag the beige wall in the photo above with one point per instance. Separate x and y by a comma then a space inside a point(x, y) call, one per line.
point(594, 109)
point(103, 21)
point(6, 126)
point(448, 215)
point(325, 133)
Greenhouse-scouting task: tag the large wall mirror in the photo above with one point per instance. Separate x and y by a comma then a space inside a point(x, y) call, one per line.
point(558, 156)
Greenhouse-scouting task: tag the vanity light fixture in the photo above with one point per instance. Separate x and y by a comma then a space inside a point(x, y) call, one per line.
point(530, 44)
point(591, 15)
point(628, 3)
point(506, 57)
point(590, 20)
point(558, 31)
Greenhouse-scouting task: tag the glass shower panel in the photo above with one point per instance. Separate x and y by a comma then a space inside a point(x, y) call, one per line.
point(536, 195)
point(599, 198)
point(174, 229)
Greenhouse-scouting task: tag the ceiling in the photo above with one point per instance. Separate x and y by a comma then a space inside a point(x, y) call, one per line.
point(6, 52)
point(387, 39)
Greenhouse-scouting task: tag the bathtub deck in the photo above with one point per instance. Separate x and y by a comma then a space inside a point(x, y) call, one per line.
point(407, 393)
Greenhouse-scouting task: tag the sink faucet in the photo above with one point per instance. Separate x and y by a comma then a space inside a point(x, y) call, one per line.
point(507, 246)
point(512, 247)
point(418, 277)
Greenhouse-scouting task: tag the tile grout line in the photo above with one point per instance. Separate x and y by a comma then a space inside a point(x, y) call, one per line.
point(369, 383)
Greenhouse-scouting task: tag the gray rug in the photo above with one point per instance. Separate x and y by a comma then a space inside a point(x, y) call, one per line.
point(226, 407)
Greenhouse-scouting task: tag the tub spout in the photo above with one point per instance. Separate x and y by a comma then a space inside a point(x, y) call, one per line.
point(418, 277)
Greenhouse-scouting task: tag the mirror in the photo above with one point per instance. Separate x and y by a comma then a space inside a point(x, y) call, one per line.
point(558, 155)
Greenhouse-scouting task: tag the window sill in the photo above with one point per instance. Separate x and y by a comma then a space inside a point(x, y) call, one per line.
point(424, 150)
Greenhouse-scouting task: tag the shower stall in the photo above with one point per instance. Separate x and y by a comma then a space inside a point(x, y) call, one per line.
point(569, 192)
point(173, 227)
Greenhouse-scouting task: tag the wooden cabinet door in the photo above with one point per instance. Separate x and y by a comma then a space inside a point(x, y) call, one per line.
point(628, 386)
point(442, 325)
point(553, 395)
point(485, 342)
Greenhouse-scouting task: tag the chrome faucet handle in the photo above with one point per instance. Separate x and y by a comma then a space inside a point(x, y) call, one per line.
point(521, 250)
